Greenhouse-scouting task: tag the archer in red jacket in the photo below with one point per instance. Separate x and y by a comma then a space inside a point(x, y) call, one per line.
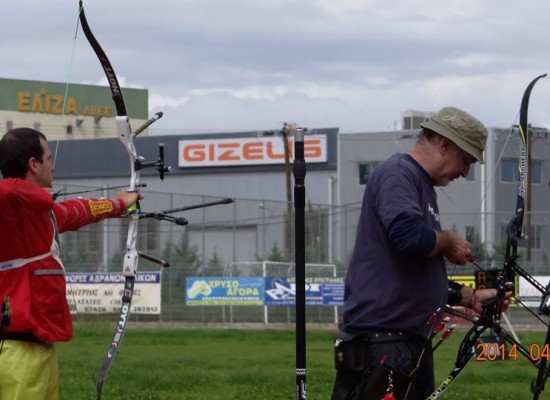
point(32, 275)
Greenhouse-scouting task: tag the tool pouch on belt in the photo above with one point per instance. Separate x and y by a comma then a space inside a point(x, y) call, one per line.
point(350, 352)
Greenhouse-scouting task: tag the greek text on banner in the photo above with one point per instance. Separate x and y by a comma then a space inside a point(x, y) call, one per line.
point(99, 293)
point(205, 291)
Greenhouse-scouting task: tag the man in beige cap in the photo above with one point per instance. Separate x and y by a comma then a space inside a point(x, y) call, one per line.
point(396, 285)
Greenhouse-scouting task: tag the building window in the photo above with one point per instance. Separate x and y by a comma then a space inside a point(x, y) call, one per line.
point(509, 171)
point(365, 170)
point(535, 232)
point(470, 233)
point(471, 174)
point(536, 171)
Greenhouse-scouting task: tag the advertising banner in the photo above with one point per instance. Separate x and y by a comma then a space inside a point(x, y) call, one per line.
point(320, 291)
point(528, 294)
point(100, 293)
point(247, 151)
point(207, 291)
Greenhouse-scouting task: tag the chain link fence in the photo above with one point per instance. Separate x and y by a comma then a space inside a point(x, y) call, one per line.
point(247, 232)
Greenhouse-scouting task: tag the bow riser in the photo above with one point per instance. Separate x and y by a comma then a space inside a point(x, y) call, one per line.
point(131, 257)
point(127, 138)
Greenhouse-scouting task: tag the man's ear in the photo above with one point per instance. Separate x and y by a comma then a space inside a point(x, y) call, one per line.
point(32, 166)
point(444, 145)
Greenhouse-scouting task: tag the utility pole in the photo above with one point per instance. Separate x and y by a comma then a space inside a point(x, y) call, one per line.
point(285, 132)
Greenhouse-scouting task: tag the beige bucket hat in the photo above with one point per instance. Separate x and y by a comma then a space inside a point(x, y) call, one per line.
point(463, 129)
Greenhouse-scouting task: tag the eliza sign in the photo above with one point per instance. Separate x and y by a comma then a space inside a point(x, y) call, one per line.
point(47, 103)
point(247, 151)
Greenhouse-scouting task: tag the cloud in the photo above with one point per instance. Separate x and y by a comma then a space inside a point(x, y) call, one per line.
point(253, 64)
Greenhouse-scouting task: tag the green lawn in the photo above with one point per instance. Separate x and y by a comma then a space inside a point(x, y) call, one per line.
point(170, 363)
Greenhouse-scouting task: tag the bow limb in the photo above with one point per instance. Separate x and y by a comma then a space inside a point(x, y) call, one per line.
point(466, 350)
point(515, 226)
point(105, 63)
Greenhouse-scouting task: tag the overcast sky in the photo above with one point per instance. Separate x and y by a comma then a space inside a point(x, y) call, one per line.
point(226, 65)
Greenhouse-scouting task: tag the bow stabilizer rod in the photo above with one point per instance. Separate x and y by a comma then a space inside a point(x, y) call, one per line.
point(226, 200)
point(162, 215)
point(151, 120)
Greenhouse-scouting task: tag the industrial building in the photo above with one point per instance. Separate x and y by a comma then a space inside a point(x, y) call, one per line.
point(250, 168)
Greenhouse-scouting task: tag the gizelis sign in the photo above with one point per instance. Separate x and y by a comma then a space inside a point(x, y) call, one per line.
point(247, 151)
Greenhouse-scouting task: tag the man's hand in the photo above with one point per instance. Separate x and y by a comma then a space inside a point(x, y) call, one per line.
point(474, 298)
point(129, 198)
point(453, 246)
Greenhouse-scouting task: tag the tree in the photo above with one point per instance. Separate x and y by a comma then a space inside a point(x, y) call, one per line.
point(313, 253)
point(183, 256)
point(276, 254)
point(477, 247)
point(214, 266)
point(77, 256)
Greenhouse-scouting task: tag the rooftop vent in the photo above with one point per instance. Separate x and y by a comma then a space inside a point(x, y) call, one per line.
point(412, 119)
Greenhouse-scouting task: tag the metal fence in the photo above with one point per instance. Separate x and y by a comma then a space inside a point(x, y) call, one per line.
point(247, 231)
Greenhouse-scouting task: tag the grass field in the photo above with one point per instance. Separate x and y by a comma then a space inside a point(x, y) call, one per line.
point(215, 364)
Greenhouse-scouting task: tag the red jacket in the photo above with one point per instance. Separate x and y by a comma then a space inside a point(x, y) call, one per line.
point(31, 273)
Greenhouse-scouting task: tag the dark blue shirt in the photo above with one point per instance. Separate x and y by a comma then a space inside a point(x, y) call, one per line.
point(391, 283)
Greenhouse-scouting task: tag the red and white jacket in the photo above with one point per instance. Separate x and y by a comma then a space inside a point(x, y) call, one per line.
point(31, 272)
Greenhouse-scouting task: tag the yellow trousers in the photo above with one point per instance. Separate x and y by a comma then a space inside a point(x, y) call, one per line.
point(28, 371)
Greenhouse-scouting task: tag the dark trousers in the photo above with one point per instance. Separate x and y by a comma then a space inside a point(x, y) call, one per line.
point(401, 357)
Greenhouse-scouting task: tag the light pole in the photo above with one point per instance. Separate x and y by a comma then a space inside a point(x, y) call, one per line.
point(264, 225)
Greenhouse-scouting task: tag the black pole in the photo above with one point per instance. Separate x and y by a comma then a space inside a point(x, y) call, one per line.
point(299, 169)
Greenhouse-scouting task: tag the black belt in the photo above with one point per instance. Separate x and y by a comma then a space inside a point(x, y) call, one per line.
point(20, 336)
point(389, 336)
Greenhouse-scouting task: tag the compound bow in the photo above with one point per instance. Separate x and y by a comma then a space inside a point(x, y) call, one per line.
point(492, 309)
